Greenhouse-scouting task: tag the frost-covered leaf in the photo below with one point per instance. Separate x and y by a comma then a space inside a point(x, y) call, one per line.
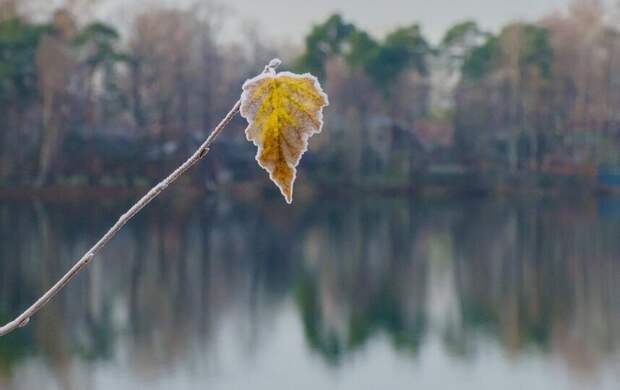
point(283, 110)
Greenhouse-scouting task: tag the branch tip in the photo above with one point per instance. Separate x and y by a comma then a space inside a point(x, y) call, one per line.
point(273, 65)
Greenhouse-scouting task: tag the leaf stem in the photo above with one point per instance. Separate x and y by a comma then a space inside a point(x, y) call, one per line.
point(24, 318)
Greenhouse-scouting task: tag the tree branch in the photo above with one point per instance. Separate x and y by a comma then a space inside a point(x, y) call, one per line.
point(24, 318)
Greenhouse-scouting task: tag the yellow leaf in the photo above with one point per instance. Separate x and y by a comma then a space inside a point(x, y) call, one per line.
point(283, 110)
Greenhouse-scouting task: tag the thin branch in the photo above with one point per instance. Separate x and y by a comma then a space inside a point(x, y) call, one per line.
point(24, 318)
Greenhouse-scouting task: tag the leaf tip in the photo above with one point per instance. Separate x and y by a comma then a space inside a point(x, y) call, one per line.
point(288, 197)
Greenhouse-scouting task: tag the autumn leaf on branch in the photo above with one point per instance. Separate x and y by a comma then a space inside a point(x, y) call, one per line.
point(283, 111)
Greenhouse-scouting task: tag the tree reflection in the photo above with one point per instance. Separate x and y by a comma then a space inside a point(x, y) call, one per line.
point(522, 274)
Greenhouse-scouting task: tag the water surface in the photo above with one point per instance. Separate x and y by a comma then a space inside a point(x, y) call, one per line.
point(333, 294)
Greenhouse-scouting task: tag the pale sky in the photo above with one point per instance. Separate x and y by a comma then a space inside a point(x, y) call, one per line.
point(293, 17)
point(288, 21)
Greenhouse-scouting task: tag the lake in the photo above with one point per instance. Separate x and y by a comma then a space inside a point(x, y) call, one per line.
point(363, 293)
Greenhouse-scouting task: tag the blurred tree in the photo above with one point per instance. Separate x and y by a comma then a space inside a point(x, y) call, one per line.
point(521, 99)
point(501, 96)
point(18, 44)
point(18, 90)
point(97, 46)
point(8, 9)
point(161, 45)
point(462, 35)
point(479, 60)
point(458, 43)
point(378, 89)
point(360, 50)
point(325, 40)
point(56, 65)
point(405, 48)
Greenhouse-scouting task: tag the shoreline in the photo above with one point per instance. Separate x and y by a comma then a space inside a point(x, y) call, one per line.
point(73, 193)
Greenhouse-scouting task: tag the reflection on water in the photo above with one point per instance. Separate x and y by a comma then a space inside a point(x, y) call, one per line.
point(342, 294)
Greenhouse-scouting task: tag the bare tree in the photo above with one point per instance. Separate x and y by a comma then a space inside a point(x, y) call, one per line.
point(8, 9)
point(55, 63)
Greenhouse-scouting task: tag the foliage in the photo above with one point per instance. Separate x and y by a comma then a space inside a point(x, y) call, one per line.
point(481, 59)
point(459, 33)
point(537, 50)
point(103, 40)
point(533, 49)
point(325, 40)
point(18, 45)
point(403, 49)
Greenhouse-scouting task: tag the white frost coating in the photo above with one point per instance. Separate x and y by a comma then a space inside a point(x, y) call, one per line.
point(273, 65)
point(249, 108)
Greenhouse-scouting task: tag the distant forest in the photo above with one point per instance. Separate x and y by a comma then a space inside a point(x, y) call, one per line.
point(532, 104)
